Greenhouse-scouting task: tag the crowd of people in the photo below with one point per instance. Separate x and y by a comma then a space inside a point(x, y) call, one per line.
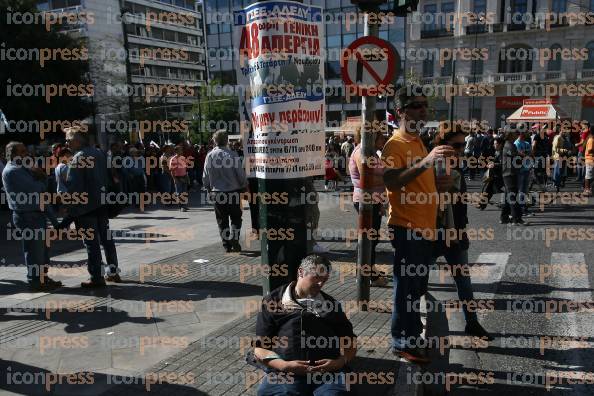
point(77, 182)
point(409, 164)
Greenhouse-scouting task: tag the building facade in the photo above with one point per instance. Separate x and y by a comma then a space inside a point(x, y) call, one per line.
point(518, 49)
point(142, 54)
point(343, 25)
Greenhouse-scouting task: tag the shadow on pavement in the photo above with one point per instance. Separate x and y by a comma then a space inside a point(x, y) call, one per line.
point(30, 380)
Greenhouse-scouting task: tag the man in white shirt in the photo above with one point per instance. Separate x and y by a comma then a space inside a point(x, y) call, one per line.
point(224, 178)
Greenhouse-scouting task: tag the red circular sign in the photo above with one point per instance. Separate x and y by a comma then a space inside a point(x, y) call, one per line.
point(353, 53)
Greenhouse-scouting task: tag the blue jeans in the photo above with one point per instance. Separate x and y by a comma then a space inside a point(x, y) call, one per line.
point(412, 258)
point(581, 168)
point(320, 384)
point(523, 187)
point(457, 259)
point(97, 224)
point(180, 187)
point(559, 170)
point(32, 227)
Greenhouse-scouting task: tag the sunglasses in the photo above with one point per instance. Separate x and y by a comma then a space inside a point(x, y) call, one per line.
point(417, 105)
point(458, 146)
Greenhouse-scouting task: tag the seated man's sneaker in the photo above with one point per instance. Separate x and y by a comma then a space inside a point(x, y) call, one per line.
point(90, 284)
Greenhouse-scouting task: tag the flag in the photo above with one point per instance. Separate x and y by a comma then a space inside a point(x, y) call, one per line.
point(3, 122)
point(391, 120)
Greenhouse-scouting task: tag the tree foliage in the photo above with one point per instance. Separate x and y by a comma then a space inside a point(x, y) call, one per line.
point(214, 111)
point(29, 39)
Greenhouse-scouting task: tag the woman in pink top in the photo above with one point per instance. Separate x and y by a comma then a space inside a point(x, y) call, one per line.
point(178, 167)
point(377, 189)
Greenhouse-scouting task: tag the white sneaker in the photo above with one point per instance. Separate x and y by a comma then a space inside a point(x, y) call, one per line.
point(317, 248)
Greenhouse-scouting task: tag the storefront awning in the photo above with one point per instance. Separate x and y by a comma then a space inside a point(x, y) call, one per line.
point(536, 110)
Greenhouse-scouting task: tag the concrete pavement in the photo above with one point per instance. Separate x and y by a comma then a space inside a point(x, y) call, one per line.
point(185, 307)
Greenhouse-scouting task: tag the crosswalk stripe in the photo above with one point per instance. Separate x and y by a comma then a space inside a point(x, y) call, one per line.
point(493, 273)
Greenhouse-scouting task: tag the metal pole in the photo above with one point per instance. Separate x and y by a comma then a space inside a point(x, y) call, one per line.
point(474, 68)
point(453, 98)
point(368, 106)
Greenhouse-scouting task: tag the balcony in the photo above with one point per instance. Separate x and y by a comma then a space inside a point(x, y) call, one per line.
point(140, 79)
point(586, 74)
point(563, 22)
point(476, 29)
point(514, 27)
point(433, 33)
point(79, 26)
point(497, 28)
point(436, 80)
point(169, 62)
point(511, 78)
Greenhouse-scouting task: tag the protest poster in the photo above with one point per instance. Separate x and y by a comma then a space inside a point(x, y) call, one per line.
point(281, 73)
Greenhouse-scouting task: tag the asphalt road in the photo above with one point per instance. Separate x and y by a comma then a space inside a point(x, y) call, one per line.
point(533, 288)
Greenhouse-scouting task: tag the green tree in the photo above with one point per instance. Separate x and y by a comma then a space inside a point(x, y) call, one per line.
point(28, 39)
point(213, 111)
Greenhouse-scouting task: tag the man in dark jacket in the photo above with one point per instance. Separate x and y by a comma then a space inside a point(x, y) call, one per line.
point(87, 173)
point(304, 337)
point(25, 186)
point(510, 167)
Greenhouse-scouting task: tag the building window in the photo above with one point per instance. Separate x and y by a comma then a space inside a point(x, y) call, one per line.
point(213, 28)
point(555, 63)
point(515, 59)
point(519, 8)
point(446, 10)
point(589, 63)
point(333, 70)
point(430, 22)
point(333, 41)
point(559, 6)
point(348, 39)
point(446, 69)
point(476, 67)
point(479, 6)
point(428, 67)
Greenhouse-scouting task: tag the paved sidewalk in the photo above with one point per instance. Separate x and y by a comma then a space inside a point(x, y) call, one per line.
point(185, 328)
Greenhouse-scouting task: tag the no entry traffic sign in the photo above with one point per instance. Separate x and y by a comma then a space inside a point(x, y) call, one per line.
point(369, 65)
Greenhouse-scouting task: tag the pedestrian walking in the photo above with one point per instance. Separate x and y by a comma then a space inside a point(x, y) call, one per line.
point(165, 176)
point(589, 162)
point(562, 149)
point(581, 145)
point(224, 178)
point(525, 152)
point(510, 166)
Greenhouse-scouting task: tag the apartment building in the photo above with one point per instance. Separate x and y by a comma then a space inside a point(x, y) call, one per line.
point(522, 54)
point(142, 54)
point(339, 34)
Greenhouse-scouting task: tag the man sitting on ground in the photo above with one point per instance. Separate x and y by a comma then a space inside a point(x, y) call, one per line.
point(295, 320)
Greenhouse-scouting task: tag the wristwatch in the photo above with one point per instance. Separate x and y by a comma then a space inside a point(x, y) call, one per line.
point(270, 358)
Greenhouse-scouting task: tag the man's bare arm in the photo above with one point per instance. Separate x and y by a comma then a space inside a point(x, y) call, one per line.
point(396, 178)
